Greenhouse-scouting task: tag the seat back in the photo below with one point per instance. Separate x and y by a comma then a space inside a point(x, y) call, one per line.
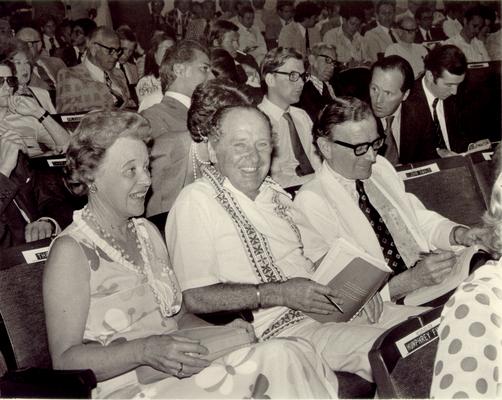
point(23, 337)
point(402, 359)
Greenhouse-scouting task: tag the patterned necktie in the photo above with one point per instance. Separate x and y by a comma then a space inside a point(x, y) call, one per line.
point(118, 97)
point(437, 127)
point(304, 167)
point(391, 152)
point(389, 250)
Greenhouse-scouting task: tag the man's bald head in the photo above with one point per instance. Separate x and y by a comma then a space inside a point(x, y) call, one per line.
point(104, 48)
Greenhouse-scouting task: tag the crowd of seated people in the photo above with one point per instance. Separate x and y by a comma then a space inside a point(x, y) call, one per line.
point(216, 117)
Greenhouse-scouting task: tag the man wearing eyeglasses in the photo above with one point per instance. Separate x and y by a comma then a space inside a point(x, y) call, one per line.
point(317, 91)
point(95, 84)
point(294, 159)
point(358, 195)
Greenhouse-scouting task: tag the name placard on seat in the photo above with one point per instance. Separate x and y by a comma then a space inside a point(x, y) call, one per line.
point(419, 171)
point(418, 339)
point(36, 255)
point(56, 162)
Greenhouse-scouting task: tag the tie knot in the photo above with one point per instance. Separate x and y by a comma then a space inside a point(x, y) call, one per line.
point(287, 116)
point(388, 121)
point(435, 103)
point(360, 186)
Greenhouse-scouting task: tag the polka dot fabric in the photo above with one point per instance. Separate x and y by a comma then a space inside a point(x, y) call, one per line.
point(469, 356)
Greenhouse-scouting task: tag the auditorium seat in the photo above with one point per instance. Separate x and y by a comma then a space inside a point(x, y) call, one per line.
point(23, 338)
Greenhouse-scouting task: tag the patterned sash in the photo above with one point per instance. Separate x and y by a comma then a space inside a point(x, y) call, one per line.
point(256, 244)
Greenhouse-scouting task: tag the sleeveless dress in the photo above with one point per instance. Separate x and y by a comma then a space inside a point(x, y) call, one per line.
point(127, 302)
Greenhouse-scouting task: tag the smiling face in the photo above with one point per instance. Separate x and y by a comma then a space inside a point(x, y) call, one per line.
point(385, 91)
point(281, 91)
point(5, 89)
point(23, 68)
point(342, 159)
point(244, 149)
point(123, 178)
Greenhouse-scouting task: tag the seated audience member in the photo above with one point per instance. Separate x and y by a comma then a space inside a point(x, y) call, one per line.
point(377, 39)
point(126, 62)
point(48, 24)
point(63, 35)
point(412, 52)
point(410, 10)
point(294, 158)
point(19, 53)
point(184, 67)
point(333, 18)
point(358, 196)
point(228, 10)
point(452, 25)
point(430, 119)
point(251, 40)
point(390, 85)
point(350, 49)
point(275, 21)
point(302, 34)
point(466, 40)
point(26, 118)
point(179, 17)
point(148, 87)
point(317, 91)
point(468, 356)
point(234, 204)
point(200, 28)
point(157, 14)
point(259, 14)
point(45, 68)
point(369, 22)
point(493, 46)
point(113, 332)
point(81, 32)
point(95, 84)
point(423, 31)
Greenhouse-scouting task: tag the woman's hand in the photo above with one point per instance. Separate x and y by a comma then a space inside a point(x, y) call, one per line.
point(25, 106)
point(240, 323)
point(306, 295)
point(10, 145)
point(174, 355)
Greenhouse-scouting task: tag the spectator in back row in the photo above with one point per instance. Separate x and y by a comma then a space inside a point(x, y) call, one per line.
point(81, 32)
point(48, 28)
point(302, 33)
point(96, 83)
point(274, 23)
point(251, 41)
point(380, 37)
point(126, 62)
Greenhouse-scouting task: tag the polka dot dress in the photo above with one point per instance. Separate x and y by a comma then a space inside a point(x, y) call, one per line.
point(469, 357)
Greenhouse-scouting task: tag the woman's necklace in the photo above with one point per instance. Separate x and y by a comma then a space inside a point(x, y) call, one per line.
point(196, 159)
point(110, 238)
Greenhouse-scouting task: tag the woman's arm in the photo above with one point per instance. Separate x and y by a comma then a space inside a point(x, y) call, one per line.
point(66, 301)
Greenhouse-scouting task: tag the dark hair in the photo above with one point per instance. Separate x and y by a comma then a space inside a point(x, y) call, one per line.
point(276, 58)
point(59, 29)
point(340, 110)
point(247, 9)
point(151, 67)
point(422, 10)
point(182, 52)
point(94, 135)
point(223, 65)
point(474, 11)
point(284, 3)
point(126, 33)
point(87, 25)
point(400, 64)
point(384, 3)
point(207, 99)
point(12, 67)
point(306, 10)
point(348, 10)
point(46, 18)
point(219, 29)
point(445, 57)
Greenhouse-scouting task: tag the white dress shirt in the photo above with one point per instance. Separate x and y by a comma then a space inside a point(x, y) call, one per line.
point(440, 112)
point(346, 49)
point(451, 27)
point(252, 37)
point(474, 51)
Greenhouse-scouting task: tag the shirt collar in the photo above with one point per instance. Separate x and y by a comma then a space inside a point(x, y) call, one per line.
point(316, 82)
point(383, 27)
point(301, 28)
point(182, 98)
point(97, 73)
point(272, 109)
point(340, 178)
point(428, 95)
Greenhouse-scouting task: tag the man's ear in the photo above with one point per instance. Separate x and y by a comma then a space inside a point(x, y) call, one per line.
point(428, 76)
point(179, 70)
point(324, 147)
point(406, 94)
point(270, 80)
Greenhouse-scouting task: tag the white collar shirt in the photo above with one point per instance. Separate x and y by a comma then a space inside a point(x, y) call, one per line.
point(182, 98)
point(451, 27)
point(440, 112)
point(47, 42)
point(474, 51)
point(301, 28)
point(346, 49)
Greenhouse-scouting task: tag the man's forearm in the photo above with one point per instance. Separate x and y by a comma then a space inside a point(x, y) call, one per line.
point(232, 297)
point(400, 285)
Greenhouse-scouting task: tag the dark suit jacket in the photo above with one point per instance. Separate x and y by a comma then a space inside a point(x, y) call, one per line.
point(436, 34)
point(418, 140)
point(312, 101)
point(68, 55)
point(171, 167)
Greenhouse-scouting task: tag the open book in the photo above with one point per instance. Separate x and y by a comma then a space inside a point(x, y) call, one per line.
point(459, 272)
point(356, 276)
point(219, 340)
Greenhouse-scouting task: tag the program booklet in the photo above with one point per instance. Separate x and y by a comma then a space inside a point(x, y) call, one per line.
point(459, 272)
point(355, 275)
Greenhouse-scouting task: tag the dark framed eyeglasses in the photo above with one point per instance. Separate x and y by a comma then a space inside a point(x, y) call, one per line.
point(32, 42)
point(11, 81)
point(361, 149)
point(111, 50)
point(294, 75)
point(328, 59)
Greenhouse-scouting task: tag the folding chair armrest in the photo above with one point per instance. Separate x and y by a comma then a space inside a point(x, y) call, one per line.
point(47, 383)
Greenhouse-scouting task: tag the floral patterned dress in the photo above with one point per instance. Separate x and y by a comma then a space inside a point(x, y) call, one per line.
point(127, 302)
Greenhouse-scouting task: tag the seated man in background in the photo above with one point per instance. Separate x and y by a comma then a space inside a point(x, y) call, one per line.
point(358, 196)
point(235, 243)
point(251, 40)
point(183, 67)
point(317, 91)
point(82, 30)
point(430, 120)
point(391, 82)
point(275, 21)
point(95, 83)
point(294, 159)
point(377, 39)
